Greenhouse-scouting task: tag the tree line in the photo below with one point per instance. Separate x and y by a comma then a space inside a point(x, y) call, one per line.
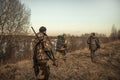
point(115, 34)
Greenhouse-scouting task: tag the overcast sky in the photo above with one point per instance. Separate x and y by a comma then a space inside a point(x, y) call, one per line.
point(74, 16)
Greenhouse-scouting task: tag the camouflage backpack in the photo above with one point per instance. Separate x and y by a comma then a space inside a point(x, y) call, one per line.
point(60, 41)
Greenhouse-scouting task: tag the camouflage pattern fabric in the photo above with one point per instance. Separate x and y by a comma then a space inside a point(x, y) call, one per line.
point(61, 44)
point(41, 67)
point(93, 46)
point(93, 43)
point(46, 43)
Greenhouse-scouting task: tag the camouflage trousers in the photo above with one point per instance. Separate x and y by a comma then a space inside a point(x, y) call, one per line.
point(63, 51)
point(42, 71)
point(92, 55)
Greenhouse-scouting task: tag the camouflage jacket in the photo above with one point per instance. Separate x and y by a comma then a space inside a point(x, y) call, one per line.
point(46, 44)
point(93, 43)
point(61, 42)
point(40, 48)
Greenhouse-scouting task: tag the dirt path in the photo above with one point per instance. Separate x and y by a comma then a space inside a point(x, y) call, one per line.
point(77, 66)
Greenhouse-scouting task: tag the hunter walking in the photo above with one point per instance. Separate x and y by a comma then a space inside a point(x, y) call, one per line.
point(94, 45)
point(42, 53)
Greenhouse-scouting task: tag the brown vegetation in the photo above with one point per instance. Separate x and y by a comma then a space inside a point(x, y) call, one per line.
point(77, 66)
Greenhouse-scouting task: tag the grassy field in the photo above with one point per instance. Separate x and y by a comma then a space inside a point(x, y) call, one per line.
point(77, 66)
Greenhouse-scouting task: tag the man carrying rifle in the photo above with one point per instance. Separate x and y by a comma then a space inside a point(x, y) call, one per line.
point(42, 53)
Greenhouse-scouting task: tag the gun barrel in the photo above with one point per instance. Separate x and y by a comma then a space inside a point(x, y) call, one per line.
point(33, 30)
point(35, 33)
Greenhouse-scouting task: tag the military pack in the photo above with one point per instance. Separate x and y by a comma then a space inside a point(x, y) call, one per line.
point(60, 42)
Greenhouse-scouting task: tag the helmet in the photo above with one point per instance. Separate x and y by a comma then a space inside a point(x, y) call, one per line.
point(93, 34)
point(42, 29)
point(64, 34)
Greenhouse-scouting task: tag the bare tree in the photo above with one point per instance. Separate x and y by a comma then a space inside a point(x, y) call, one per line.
point(14, 20)
point(113, 34)
point(14, 17)
point(119, 34)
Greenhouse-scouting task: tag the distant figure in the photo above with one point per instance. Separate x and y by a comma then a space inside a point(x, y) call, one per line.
point(94, 44)
point(61, 44)
point(42, 53)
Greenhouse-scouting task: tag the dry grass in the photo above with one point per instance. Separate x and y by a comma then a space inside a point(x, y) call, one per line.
point(77, 66)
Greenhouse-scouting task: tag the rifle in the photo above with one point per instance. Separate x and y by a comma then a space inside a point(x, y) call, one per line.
point(35, 34)
point(51, 45)
point(39, 42)
point(51, 51)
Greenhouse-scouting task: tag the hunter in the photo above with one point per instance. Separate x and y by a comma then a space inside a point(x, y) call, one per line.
point(42, 53)
point(94, 45)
